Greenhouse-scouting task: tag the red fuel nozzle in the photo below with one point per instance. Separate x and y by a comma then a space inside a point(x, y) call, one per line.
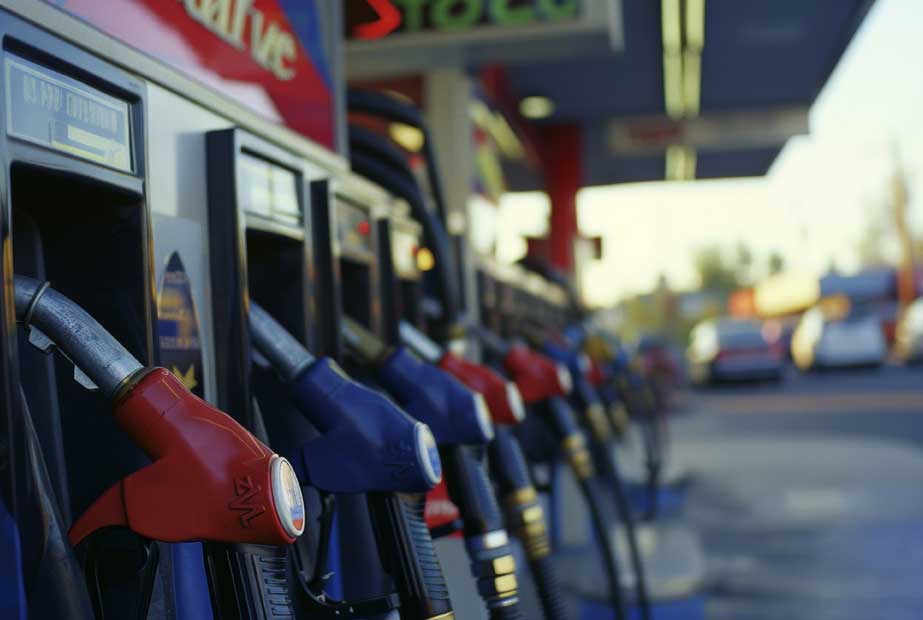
point(537, 376)
point(503, 398)
point(596, 374)
point(210, 480)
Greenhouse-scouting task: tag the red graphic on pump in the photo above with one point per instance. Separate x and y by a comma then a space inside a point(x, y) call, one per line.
point(267, 55)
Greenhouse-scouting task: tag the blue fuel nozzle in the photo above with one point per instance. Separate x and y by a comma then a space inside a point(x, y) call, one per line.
point(367, 442)
point(455, 414)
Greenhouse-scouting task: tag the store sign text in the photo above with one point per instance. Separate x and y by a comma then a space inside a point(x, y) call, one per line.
point(270, 45)
point(381, 18)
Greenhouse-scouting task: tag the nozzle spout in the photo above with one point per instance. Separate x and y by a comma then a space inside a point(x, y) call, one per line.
point(77, 335)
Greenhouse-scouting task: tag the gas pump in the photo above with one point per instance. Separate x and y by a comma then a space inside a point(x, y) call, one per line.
point(460, 419)
point(346, 439)
point(95, 250)
point(379, 160)
point(198, 453)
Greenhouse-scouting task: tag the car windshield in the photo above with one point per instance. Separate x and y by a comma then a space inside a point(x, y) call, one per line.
point(741, 339)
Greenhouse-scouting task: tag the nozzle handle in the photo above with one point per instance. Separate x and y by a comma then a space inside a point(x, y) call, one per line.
point(255, 579)
point(486, 539)
point(406, 549)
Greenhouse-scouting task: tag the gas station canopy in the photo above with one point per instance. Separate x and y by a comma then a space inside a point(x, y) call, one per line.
point(671, 89)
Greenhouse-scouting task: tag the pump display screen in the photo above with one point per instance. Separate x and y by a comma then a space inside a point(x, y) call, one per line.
point(404, 246)
point(354, 232)
point(268, 190)
point(55, 111)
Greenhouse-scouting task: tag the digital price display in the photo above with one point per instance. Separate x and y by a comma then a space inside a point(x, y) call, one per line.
point(268, 190)
point(58, 112)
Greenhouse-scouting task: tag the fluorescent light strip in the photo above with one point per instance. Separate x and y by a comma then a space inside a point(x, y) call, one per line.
point(692, 83)
point(689, 164)
point(673, 84)
point(670, 25)
point(680, 163)
point(675, 164)
point(695, 24)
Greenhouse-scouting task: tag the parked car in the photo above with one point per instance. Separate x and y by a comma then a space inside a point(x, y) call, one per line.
point(722, 350)
point(825, 341)
point(908, 338)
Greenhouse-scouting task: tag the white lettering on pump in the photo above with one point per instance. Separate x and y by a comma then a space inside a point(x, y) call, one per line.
point(271, 46)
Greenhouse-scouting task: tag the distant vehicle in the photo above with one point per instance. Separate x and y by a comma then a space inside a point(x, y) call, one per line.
point(825, 340)
point(887, 313)
point(908, 338)
point(722, 350)
point(659, 358)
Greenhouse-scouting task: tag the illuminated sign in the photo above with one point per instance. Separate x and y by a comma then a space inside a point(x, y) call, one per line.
point(377, 19)
point(50, 109)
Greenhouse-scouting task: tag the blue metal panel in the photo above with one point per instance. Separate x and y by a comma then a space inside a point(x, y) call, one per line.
point(757, 54)
point(738, 163)
point(608, 84)
point(769, 53)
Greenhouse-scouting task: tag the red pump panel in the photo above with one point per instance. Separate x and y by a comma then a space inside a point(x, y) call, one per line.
point(268, 55)
point(210, 479)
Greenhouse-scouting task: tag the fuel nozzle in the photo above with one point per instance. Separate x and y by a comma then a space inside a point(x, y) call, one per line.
point(367, 442)
point(210, 478)
point(584, 395)
point(456, 414)
point(537, 376)
point(469, 487)
point(503, 398)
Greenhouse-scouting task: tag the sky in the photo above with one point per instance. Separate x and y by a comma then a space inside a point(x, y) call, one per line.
point(813, 207)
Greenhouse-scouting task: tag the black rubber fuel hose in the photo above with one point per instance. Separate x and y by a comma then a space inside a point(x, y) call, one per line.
point(606, 463)
point(560, 418)
point(525, 518)
point(592, 494)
